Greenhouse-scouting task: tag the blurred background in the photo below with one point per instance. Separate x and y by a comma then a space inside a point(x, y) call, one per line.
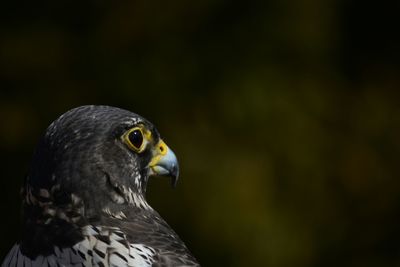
point(284, 116)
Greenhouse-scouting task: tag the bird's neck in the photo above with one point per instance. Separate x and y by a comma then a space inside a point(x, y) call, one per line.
point(135, 198)
point(130, 193)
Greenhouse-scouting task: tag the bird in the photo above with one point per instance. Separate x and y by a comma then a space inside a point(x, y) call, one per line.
point(84, 198)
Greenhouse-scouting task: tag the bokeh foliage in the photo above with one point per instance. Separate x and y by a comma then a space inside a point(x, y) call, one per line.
point(284, 116)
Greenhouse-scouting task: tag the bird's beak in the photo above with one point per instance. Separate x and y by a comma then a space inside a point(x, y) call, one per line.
point(164, 163)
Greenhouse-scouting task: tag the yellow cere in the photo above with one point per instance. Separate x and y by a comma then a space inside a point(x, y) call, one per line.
point(159, 153)
point(162, 147)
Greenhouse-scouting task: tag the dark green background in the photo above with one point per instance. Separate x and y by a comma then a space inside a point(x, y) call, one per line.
point(284, 116)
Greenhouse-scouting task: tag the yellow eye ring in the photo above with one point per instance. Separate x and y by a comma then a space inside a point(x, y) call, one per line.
point(134, 139)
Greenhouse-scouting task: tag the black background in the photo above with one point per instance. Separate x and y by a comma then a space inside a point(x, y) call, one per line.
point(284, 116)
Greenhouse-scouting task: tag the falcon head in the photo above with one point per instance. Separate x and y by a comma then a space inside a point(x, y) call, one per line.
point(91, 160)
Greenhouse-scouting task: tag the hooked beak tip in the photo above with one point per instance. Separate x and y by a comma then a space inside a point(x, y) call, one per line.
point(165, 164)
point(174, 176)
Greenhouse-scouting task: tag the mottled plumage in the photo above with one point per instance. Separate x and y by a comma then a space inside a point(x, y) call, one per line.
point(84, 198)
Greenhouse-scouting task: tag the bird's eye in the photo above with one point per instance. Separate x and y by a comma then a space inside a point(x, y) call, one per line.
point(134, 139)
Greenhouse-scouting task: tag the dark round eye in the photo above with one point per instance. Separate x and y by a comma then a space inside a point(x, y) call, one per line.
point(136, 138)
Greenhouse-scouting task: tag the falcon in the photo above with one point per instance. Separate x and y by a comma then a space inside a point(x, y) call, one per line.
point(84, 198)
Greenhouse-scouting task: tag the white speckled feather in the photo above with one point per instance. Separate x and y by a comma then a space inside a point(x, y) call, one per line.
point(91, 251)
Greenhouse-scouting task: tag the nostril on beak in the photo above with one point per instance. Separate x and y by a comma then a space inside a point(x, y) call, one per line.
point(162, 148)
